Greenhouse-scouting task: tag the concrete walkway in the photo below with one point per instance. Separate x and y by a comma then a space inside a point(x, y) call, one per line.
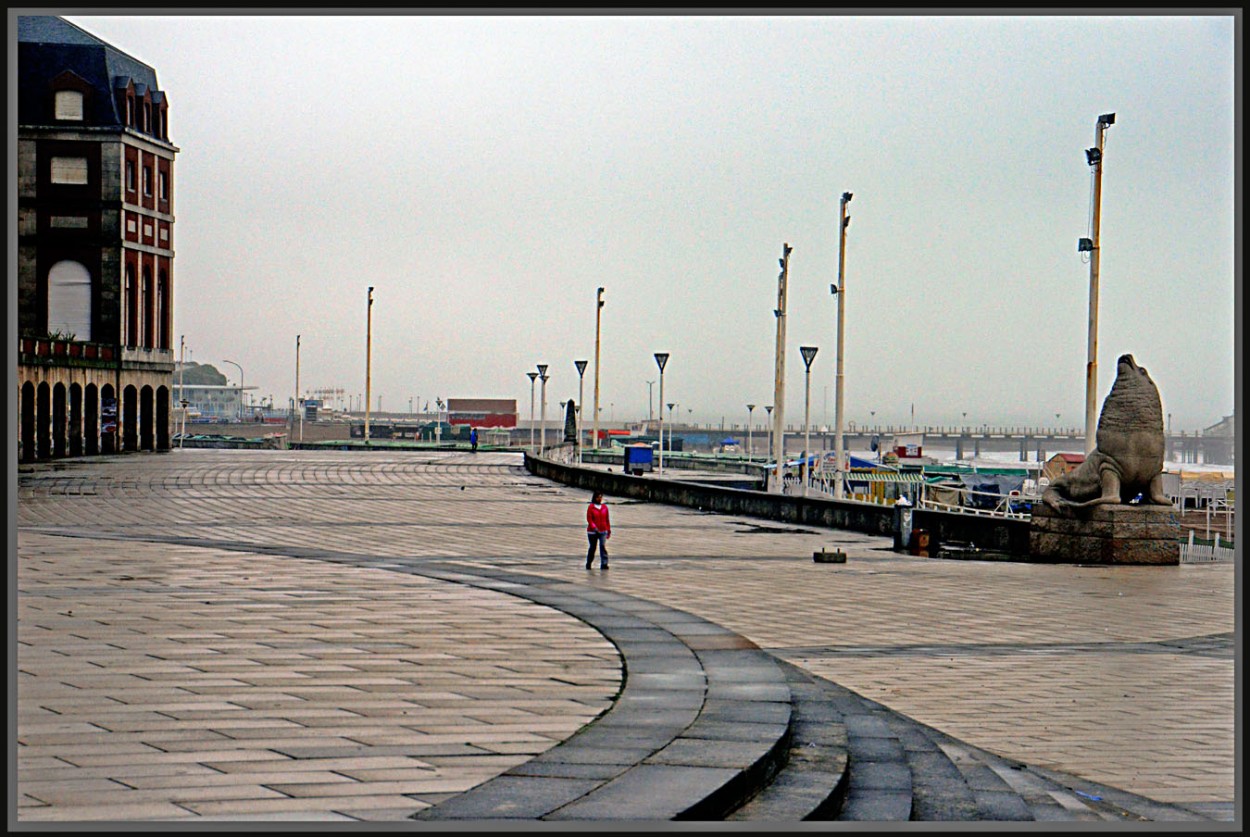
point(238, 634)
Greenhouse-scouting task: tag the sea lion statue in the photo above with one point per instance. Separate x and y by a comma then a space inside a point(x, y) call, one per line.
point(1127, 459)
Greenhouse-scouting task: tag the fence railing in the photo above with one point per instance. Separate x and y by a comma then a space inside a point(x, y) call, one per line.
point(1193, 552)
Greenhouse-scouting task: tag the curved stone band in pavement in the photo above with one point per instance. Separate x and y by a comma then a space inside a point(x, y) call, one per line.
point(702, 721)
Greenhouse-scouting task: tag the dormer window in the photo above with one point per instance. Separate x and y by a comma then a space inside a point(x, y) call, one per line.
point(69, 105)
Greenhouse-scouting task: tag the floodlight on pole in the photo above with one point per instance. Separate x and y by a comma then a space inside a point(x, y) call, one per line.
point(1094, 157)
point(776, 483)
point(839, 452)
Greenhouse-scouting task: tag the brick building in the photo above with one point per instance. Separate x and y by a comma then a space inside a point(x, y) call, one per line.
point(95, 246)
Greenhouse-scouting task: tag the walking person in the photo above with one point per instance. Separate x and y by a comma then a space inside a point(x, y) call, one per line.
point(598, 530)
point(473, 439)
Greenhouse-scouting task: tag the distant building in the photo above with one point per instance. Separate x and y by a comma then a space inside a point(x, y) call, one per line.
point(1060, 464)
point(482, 412)
point(95, 246)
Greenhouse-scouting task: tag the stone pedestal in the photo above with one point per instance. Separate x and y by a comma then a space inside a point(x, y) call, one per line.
point(1107, 534)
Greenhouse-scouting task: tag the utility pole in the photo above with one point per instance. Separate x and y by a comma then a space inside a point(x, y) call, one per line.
point(1094, 157)
point(368, 359)
point(775, 481)
point(598, 321)
point(839, 290)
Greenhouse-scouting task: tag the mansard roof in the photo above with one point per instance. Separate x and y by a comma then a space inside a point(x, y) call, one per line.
point(48, 46)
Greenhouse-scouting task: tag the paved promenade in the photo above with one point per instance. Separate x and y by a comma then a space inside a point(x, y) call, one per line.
point(214, 635)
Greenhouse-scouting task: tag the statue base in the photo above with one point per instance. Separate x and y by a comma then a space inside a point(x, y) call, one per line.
point(1106, 534)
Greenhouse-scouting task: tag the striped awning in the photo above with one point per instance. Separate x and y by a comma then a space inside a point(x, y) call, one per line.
point(884, 476)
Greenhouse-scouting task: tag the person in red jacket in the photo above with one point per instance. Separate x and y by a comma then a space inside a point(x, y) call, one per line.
point(598, 530)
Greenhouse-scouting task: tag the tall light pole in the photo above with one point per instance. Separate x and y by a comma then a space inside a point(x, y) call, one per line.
point(182, 392)
point(295, 403)
point(368, 360)
point(779, 377)
point(661, 358)
point(532, 376)
point(769, 421)
point(581, 399)
point(650, 409)
point(542, 428)
point(598, 322)
point(1094, 157)
point(809, 354)
point(839, 290)
point(232, 363)
point(671, 405)
point(750, 425)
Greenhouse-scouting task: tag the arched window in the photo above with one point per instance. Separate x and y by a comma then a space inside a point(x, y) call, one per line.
point(69, 300)
point(69, 105)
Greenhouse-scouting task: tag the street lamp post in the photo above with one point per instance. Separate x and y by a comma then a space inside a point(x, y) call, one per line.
point(542, 428)
point(232, 363)
point(839, 290)
point(769, 410)
point(750, 424)
point(598, 322)
point(581, 398)
point(670, 427)
point(182, 392)
point(809, 354)
point(368, 360)
point(296, 402)
point(661, 358)
point(1094, 157)
point(532, 377)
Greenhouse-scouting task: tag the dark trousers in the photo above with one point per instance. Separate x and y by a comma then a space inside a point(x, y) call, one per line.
point(600, 538)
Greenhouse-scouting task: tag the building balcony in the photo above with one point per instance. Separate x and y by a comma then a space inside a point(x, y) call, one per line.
point(50, 351)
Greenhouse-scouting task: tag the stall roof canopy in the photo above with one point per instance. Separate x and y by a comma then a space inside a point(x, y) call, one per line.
point(883, 476)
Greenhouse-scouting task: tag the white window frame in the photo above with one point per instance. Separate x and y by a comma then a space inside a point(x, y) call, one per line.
point(71, 171)
point(68, 105)
point(69, 299)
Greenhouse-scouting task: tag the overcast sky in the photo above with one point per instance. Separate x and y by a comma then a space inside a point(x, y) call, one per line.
point(486, 174)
